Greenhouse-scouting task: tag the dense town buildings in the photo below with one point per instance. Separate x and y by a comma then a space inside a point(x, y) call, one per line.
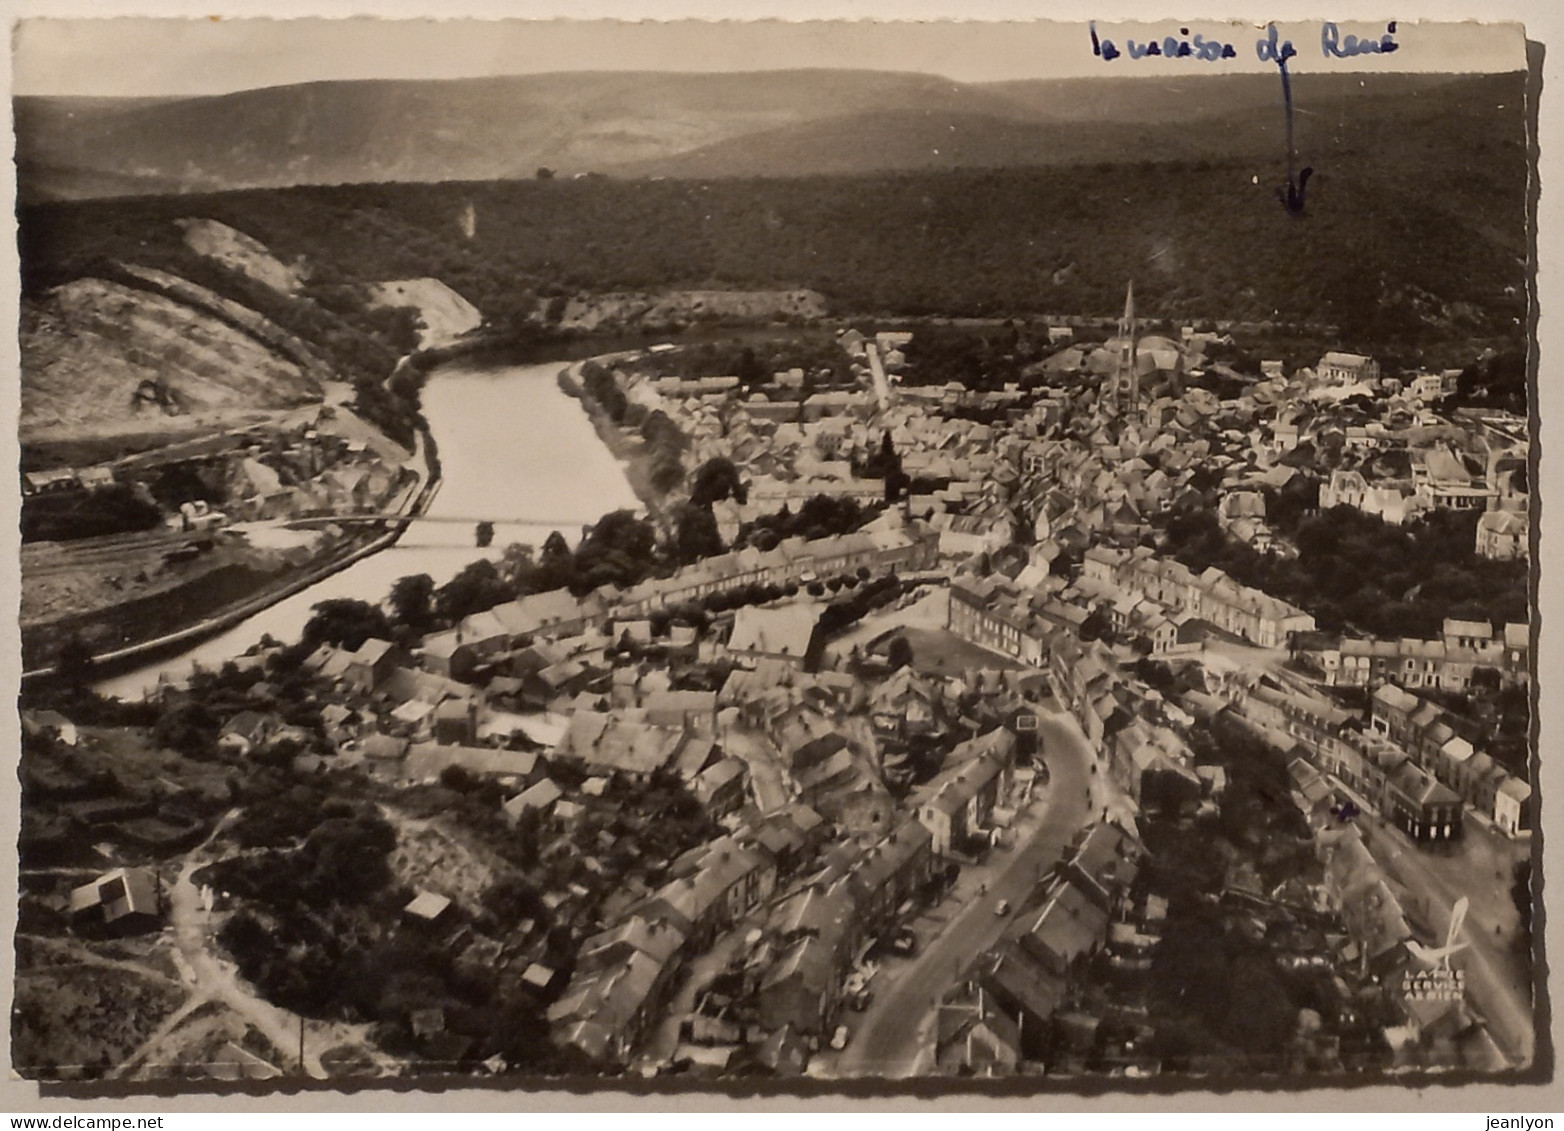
point(820, 797)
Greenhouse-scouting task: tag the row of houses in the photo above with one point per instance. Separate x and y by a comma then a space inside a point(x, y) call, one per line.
point(1376, 769)
point(1123, 718)
point(483, 636)
point(56, 479)
point(960, 802)
point(624, 973)
point(809, 940)
point(1128, 723)
point(1430, 736)
point(1450, 663)
point(1210, 595)
point(825, 927)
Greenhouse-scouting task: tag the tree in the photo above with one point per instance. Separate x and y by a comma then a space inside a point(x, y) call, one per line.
point(74, 663)
point(511, 898)
point(345, 857)
point(750, 370)
point(695, 533)
point(1520, 893)
point(660, 431)
point(545, 173)
point(412, 601)
point(715, 480)
point(897, 483)
point(476, 588)
point(899, 653)
point(485, 534)
point(188, 728)
point(620, 532)
point(556, 566)
point(345, 622)
point(555, 546)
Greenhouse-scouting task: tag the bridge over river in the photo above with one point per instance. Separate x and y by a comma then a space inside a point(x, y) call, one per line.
point(510, 441)
point(395, 516)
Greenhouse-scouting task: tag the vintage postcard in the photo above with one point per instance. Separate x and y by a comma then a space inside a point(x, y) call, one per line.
point(795, 557)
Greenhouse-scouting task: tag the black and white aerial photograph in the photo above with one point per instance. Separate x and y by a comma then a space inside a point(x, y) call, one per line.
point(776, 558)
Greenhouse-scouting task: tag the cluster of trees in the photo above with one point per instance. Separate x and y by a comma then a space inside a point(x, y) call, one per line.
point(1354, 571)
point(695, 531)
point(993, 243)
point(344, 622)
point(620, 549)
point(849, 608)
point(320, 928)
point(665, 444)
point(320, 933)
point(598, 380)
point(66, 515)
point(852, 595)
point(820, 516)
point(191, 724)
point(983, 359)
point(1499, 381)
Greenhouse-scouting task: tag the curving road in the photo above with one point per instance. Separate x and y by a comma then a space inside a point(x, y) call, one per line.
point(889, 1039)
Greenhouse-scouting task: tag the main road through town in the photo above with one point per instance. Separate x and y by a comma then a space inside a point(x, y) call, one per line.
point(889, 1038)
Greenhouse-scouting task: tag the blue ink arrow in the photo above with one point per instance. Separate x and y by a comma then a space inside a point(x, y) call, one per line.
point(1270, 50)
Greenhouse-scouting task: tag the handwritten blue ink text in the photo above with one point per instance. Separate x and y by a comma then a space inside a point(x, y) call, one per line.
point(1168, 47)
point(1333, 46)
point(1272, 51)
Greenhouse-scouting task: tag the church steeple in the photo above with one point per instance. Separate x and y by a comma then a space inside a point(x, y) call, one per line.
point(1126, 378)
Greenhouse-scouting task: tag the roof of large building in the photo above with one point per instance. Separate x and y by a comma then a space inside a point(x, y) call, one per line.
point(1069, 925)
point(786, 630)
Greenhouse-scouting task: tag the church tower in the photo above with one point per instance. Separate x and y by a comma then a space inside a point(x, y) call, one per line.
point(1126, 376)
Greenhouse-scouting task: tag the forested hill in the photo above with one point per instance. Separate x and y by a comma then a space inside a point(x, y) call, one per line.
point(1381, 252)
point(777, 123)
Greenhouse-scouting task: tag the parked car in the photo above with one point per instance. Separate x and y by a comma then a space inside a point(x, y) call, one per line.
point(1002, 907)
point(839, 1038)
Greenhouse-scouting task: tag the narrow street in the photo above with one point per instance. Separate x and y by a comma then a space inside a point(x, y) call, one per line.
point(211, 977)
point(770, 784)
point(890, 1037)
point(217, 979)
point(661, 1044)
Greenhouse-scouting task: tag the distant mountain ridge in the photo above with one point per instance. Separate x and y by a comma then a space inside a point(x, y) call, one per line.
point(769, 123)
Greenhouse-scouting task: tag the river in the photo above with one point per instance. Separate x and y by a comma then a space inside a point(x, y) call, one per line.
point(514, 449)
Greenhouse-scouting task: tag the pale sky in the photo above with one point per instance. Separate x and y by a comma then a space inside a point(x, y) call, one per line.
point(130, 56)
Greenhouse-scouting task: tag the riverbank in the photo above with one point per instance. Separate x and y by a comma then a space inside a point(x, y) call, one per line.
point(260, 592)
point(635, 455)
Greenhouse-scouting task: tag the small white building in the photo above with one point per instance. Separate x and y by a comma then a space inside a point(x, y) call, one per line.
point(1509, 802)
